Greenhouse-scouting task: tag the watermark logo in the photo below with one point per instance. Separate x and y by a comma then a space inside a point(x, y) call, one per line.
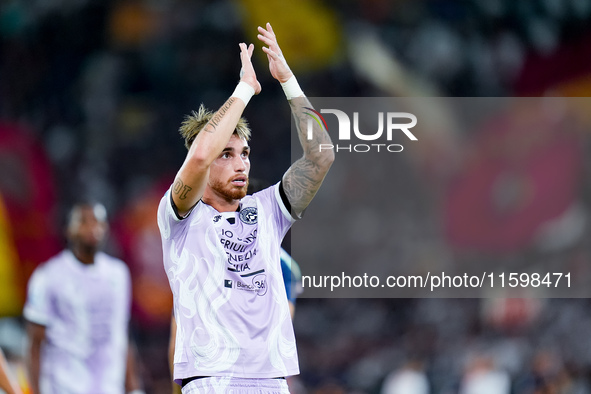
point(389, 124)
point(317, 117)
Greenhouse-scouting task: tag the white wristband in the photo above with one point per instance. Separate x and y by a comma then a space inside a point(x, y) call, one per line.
point(244, 92)
point(292, 88)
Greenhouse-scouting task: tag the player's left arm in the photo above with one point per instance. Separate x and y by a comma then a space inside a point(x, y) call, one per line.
point(303, 179)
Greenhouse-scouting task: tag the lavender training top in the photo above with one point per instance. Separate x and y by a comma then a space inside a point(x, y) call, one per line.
point(230, 303)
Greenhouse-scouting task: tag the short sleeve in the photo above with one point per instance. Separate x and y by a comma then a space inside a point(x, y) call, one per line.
point(169, 221)
point(271, 198)
point(37, 306)
point(281, 210)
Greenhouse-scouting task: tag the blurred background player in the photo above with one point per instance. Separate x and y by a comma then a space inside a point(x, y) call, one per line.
point(410, 378)
point(292, 278)
point(78, 310)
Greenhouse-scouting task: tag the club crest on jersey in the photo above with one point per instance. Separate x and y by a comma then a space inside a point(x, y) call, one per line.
point(249, 215)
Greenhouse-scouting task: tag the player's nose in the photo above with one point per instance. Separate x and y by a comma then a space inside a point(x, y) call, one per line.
point(240, 164)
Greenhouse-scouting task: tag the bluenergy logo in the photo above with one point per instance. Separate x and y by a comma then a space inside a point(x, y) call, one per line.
point(392, 120)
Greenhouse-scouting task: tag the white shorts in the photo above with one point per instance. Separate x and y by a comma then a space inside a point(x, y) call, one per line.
point(229, 385)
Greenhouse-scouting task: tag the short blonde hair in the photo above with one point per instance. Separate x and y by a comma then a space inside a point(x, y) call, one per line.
point(195, 122)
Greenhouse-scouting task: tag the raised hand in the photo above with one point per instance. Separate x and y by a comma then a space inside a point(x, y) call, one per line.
point(277, 64)
point(247, 73)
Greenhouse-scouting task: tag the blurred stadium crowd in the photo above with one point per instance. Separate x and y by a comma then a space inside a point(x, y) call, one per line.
point(91, 97)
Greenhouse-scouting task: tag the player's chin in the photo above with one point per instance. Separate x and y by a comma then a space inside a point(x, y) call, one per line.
point(239, 188)
point(237, 192)
point(90, 241)
point(241, 193)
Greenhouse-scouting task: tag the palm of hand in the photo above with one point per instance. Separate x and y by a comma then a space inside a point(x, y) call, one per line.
point(279, 68)
point(247, 73)
point(277, 64)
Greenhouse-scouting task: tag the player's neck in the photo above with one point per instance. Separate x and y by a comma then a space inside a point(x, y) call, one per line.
point(219, 202)
point(222, 205)
point(83, 254)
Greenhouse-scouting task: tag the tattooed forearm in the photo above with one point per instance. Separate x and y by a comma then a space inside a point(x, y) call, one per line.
point(217, 117)
point(303, 179)
point(180, 189)
point(300, 106)
point(301, 182)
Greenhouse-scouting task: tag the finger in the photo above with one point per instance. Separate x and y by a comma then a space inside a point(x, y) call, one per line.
point(271, 53)
point(250, 50)
point(268, 41)
point(245, 58)
point(266, 33)
point(270, 28)
point(243, 52)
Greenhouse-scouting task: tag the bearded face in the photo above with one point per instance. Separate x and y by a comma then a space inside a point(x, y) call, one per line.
point(228, 174)
point(229, 189)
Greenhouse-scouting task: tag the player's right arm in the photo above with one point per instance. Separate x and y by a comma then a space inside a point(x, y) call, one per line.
point(191, 179)
point(36, 334)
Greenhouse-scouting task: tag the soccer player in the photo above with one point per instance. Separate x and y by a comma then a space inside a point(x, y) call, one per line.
point(78, 309)
point(222, 248)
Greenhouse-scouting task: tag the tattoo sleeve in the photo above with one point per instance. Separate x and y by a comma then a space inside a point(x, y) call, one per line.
point(303, 179)
point(217, 117)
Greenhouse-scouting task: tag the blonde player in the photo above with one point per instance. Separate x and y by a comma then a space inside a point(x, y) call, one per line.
point(222, 248)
